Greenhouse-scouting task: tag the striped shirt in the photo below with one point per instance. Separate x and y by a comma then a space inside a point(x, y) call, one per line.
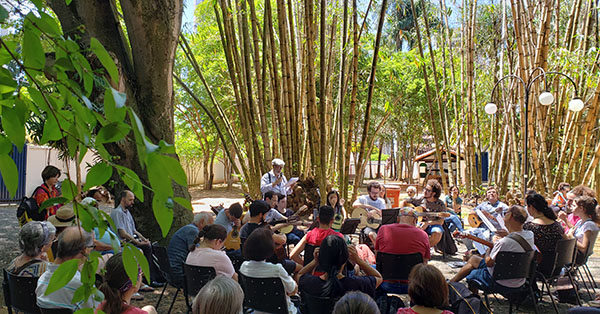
point(62, 297)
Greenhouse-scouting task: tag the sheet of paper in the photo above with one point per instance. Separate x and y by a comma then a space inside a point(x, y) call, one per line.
point(486, 221)
point(291, 181)
point(500, 220)
point(480, 247)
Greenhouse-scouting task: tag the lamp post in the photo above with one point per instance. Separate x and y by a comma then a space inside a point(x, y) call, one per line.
point(545, 98)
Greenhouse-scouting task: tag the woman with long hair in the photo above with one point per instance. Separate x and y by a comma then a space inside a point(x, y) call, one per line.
point(428, 291)
point(546, 230)
point(221, 295)
point(586, 229)
point(207, 251)
point(331, 257)
point(118, 289)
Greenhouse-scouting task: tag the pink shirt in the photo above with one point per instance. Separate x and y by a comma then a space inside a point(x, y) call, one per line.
point(408, 310)
point(208, 257)
point(128, 310)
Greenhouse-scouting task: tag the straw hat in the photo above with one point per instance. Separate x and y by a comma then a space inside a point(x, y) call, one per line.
point(65, 217)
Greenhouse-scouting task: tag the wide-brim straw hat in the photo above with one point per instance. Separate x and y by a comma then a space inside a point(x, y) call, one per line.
point(65, 217)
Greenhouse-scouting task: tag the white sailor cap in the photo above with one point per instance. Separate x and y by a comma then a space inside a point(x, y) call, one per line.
point(278, 162)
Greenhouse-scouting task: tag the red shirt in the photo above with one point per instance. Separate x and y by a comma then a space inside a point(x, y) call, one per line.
point(316, 236)
point(402, 239)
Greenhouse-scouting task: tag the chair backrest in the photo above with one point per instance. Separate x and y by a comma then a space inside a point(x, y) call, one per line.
point(317, 305)
point(510, 265)
point(195, 277)
point(21, 293)
point(564, 255)
point(56, 311)
point(309, 251)
point(264, 294)
point(397, 266)
point(160, 252)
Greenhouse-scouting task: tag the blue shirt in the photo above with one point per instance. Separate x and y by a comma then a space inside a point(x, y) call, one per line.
point(123, 220)
point(224, 221)
point(179, 248)
point(107, 239)
point(491, 208)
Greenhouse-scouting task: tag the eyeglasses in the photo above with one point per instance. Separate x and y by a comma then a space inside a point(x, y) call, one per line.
point(428, 190)
point(93, 246)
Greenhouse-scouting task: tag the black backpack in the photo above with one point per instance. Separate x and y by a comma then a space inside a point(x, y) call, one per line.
point(463, 301)
point(29, 210)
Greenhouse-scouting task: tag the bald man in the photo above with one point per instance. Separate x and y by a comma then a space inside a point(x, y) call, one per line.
point(127, 232)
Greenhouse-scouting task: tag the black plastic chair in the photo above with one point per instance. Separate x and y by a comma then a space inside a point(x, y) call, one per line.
point(397, 266)
point(56, 311)
point(510, 265)
point(581, 263)
point(164, 266)
point(194, 278)
point(552, 264)
point(309, 251)
point(264, 294)
point(19, 293)
point(317, 305)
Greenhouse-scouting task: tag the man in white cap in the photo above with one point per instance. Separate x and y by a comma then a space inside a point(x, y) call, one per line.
point(274, 180)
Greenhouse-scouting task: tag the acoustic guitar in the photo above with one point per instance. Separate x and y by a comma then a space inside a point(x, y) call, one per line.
point(338, 220)
point(366, 221)
point(458, 234)
point(233, 240)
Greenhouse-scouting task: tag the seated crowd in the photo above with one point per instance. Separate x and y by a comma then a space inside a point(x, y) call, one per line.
point(337, 270)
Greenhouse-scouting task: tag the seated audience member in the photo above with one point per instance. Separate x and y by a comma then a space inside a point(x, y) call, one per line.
point(273, 215)
point(432, 203)
point(428, 291)
point(127, 232)
point(74, 243)
point(180, 244)
point(256, 249)
point(482, 269)
point(221, 295)
point(99, 194)
point(491, 208)
point(568, 215)
point(103, 243)
point(207, 251)
point(383, 196)
point(296, 234)
point(413, 198)
point(316, 235)
point(414, 240)
point(62, 219)
point(546, 230)
point(118, 290)
point(586, 229)
point(332, 256)
point(453, 203)
point(229, 217)
point(356, 302)
point(35, 238)
point(337, 203)
point(560, 195)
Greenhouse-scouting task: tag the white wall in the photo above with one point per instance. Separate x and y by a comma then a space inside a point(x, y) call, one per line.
point(38, 157)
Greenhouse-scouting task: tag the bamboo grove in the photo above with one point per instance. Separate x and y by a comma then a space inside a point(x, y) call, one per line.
point(321, 84)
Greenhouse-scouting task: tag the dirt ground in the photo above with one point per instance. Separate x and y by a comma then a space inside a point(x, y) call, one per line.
point(201, 201)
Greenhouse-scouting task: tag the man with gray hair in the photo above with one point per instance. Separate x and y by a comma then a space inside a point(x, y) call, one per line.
point(274, 180)
point(180, 244)
point(74, 243)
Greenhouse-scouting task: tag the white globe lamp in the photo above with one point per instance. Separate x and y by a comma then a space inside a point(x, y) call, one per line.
point(490, 108)
point(546, 98)
point(576, 104)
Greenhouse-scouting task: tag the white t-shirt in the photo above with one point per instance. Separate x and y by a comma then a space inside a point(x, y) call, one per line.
point(366, 200)
point(507, 244)
point(273, 215)
point(207, 257)
point(581, 227)
point(263, 269)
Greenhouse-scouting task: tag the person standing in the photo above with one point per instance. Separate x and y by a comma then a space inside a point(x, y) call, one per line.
point(48, 189)
point(275, 180)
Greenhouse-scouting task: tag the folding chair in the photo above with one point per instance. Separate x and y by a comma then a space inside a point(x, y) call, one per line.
point(194, 278)
point(317, 305)
point(264, 294)
point(395, 268)
point(162, 260)
point(510, 265)
point(309, 251)
point(581, 263)
point(19, 293)
point(552, 264)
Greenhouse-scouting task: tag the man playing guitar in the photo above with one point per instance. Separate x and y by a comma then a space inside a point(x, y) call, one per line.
point(493, 209)
point(432, 203)
point(373, 204)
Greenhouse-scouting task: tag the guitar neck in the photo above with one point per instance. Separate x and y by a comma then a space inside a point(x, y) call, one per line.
point(478, 240)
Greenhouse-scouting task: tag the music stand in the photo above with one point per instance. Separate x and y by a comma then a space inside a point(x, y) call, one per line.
point(349, 226)
point(388, 216)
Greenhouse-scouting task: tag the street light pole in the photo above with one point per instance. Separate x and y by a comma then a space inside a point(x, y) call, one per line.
point(545, 98)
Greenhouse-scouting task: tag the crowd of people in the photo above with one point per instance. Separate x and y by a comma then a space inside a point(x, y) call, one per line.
point(323, 262)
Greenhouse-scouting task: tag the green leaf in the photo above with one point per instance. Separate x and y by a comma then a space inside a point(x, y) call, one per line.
point(69, 189)
point(132, 258)
point(53, 201)
point(112, 112)
point(98, 175)
point(33, 53)
point(132, 181)
point(63, 274)
point(5, 145)
point(7, 82)
point(68, 2)
point(112, 132)
point(162, 213)
point(10, 174)
point(119, 98)
point(143, 262)
point(105, 59)
point(3, 14)
point(158, 175)
point(87, 310)
point(13, 122)
point(51, 131)
point(183, 202)
point(175, 170)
